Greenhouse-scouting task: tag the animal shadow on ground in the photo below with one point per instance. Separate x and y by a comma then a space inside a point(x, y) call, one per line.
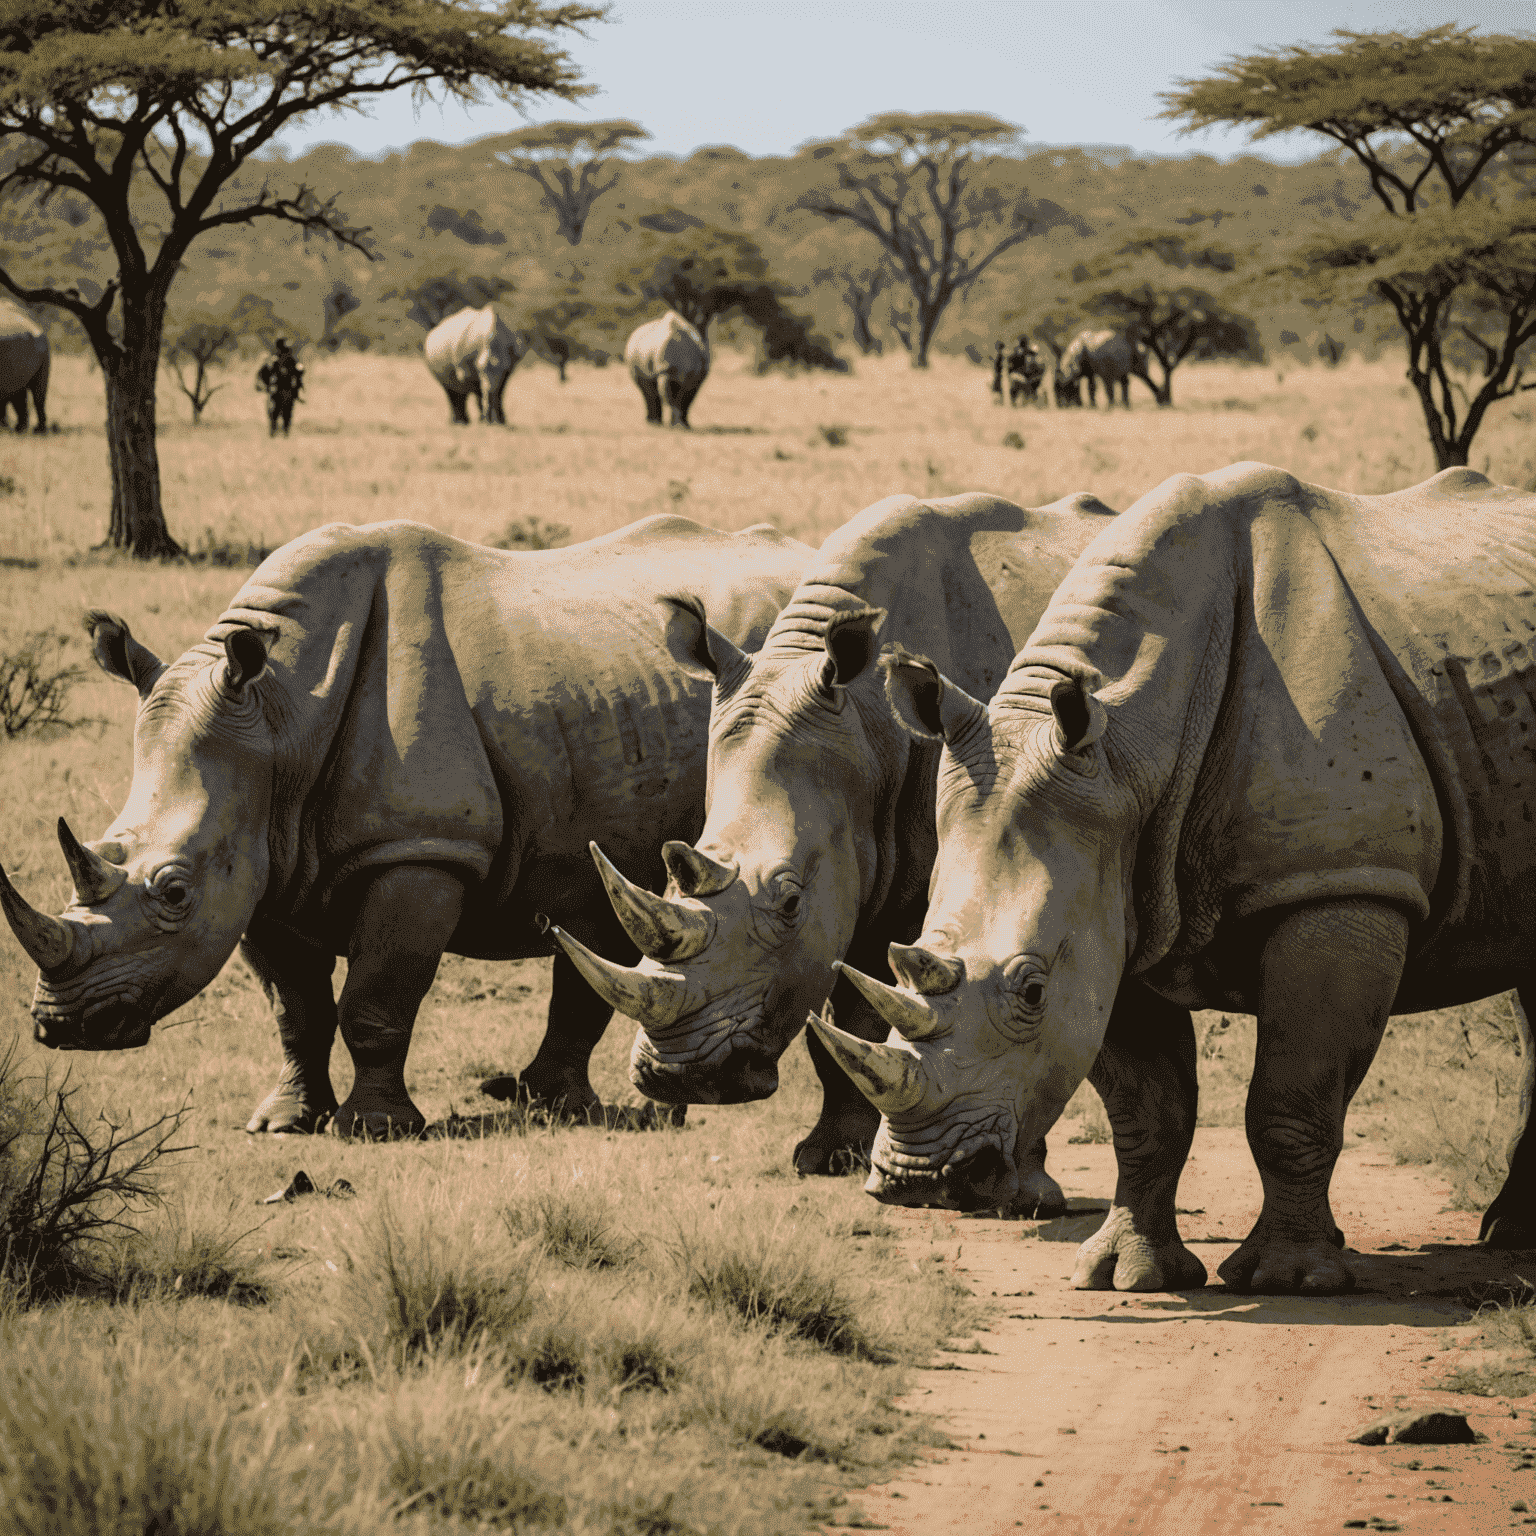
point(716, 430)
point(1436, 1286)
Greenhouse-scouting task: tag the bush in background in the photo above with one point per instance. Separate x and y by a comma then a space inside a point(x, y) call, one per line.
point(35, 686)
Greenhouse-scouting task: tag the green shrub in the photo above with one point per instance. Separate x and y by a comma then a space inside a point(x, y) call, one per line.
point(834, 436)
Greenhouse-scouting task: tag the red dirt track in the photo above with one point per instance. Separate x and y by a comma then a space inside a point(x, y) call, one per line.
point(1208, 1413)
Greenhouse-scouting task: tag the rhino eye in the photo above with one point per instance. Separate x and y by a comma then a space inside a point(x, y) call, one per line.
point(791, 904)
point(1027, 978)
point(1033, 994)
point(172, 891)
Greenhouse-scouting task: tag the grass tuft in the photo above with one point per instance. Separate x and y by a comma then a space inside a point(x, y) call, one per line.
point(775, 1282)
point(577, 1229)
point(531, 532)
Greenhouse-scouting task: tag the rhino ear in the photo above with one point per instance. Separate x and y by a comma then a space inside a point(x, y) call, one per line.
point(923, 700)
point(851, 646)
point(1080, 718)
point(245, 658)
point(118, 654)
point(697, 647)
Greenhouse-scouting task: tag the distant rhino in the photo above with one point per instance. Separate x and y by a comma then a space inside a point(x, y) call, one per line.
point(23, 366)
point(820, 839)
point(1099, 357)
point(668, 359)
point(394, 744)
point(473, 353)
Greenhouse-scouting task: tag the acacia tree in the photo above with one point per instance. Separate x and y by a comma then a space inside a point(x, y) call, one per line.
point(859, 285)
point(149, 115)
point(567, 160)
point(922, 186)
point(1443, 122)
point(200, 341)
point(1175, 322)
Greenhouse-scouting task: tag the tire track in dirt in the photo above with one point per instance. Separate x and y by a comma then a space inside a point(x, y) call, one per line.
point(1212, 1411)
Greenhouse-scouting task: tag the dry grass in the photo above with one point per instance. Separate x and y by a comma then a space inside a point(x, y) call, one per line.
point(558, 1329)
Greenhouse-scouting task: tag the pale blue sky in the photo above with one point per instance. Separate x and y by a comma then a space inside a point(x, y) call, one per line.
point(766, 75)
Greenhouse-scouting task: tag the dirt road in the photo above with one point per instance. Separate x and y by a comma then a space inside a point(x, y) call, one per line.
point(1214, 1412)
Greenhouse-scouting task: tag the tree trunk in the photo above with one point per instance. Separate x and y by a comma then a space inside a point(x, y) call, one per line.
point(138, 521)
point(927, 324)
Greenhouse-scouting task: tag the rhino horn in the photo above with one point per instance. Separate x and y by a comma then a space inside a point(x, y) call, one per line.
point(696, 873)
point(652, 998)
point(909, 1016)
point(95, 879)
point(664, 930)
point(889, 1078)
point(924, 971)
point(48, 941)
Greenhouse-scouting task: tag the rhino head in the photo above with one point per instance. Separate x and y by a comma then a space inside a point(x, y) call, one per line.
point(744, 939)
point(1004, 1001)
point(161, 900)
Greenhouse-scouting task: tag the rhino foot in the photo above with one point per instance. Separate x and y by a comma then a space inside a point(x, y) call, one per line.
point(1039, 1197)
point(829, 1156)
point(287, 1110)
point(1284, 1266)
point(560, 1098)
point(1504, 1227)
point(1118, 1257)
point(380, 1122)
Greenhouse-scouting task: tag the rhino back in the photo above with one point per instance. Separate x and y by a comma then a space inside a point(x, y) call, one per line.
point(962, 579)
point(486, 707)
point(1445, 573)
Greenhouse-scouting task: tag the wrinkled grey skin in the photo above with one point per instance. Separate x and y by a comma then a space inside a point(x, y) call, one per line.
point(820, 810)
point(1099, 357)
point(24, 363)
point(1268, 751)
point(395, 744)
point(473, 353)
point(669, 360)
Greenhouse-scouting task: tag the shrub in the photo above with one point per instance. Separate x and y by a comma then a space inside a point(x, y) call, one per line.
point(1013, 440)
point(34, 687)
point(532, 532)
point(66, 1188)
point(834, 436)
point(228, 551)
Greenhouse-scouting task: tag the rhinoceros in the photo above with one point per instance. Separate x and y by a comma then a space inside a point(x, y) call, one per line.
point(1269, 749)
point(394, 744)
point(23, 367)
point(668, 359)
point(1107, 357)
point(473, 353)
point(819, 837)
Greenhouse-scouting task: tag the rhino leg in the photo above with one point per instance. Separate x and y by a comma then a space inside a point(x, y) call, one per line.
point(405, 921)
point(651, 394)
point(682, 398)
point(1510, 1222)
point(558, 1078)
point(841, 1138)
point(1327, 977)
point(1145, 1074)
point(458, 407)
point(296, 978)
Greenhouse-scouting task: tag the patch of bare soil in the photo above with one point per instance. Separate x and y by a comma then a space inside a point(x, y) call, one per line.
point(1213, 1411)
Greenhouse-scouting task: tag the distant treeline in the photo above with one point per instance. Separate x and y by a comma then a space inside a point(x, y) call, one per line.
point(449, 225)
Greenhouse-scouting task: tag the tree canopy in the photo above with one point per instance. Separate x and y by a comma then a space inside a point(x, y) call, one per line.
point(1444, 123)
point(147, 116)
point(567, 161)
point(923, 185)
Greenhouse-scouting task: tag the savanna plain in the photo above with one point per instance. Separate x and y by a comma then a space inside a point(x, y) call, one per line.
point(514, 1324)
